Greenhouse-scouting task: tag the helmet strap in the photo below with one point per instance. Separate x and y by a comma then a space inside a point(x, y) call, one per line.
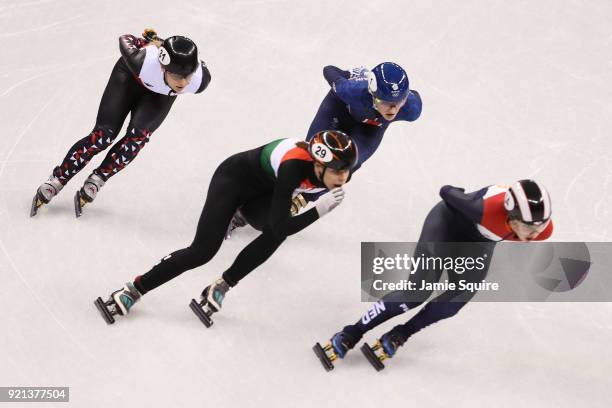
point(322, 175)
point(165, 80)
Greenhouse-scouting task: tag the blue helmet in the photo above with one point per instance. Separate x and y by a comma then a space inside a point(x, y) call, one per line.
point(388, 82)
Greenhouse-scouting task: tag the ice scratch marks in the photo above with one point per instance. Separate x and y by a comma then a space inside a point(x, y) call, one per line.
point(602, 214)
point(42, 304)
point(67, 67)
point(39, 28)
point(24, 4)
point(23, 132)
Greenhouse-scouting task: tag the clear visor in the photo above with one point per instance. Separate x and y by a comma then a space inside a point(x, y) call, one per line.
point(179, 77)
point(531, 228)
point(390, 104)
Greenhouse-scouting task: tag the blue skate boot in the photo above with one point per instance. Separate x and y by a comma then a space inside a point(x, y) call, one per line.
point(384, 348)
point(336, 348)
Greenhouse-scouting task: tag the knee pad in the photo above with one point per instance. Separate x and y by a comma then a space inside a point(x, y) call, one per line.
point(102, 137)
point(134, 140)
point(137, 134)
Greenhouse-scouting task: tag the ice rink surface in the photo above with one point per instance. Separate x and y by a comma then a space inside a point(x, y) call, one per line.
point(510, 90)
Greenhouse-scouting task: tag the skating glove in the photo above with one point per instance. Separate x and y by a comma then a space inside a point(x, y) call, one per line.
point(329, 201)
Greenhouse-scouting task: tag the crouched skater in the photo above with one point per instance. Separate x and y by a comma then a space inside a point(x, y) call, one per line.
point(479, 220)
point(145, 82)
point(280, 169)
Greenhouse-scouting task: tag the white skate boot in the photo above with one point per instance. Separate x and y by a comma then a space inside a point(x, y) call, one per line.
point(45, 193)
point(87, 193)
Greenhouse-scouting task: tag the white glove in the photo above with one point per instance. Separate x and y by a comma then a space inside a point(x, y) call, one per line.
point(329, 201)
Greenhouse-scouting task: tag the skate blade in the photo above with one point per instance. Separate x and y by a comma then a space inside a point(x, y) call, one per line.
point(323, 357)
point(36, 204)
point(79, 203)
point(104, 311)
point(202, 315)
point(372, 358)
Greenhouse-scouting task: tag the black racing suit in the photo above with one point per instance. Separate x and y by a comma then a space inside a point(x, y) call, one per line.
point(237, 181)
point(123, 94)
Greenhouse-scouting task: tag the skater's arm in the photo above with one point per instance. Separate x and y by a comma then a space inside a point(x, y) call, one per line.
point(332, 74)
point(411, 111)
point(205, 77)
point(469, 205)
point(349, 90)
point(280, 221)
point(133, 52)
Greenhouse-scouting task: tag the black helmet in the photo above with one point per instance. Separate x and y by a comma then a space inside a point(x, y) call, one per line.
point(179, 55)
point(333, 149)
point(528, 201)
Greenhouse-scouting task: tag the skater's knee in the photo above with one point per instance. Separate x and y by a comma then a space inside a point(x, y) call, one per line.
point(449, 309)
point(274, 235)
point(102, 136)
point(99, 139)
point(200, 254)
point(138, 135)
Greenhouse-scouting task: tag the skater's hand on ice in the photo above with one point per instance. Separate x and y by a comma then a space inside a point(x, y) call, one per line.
point(329, 201)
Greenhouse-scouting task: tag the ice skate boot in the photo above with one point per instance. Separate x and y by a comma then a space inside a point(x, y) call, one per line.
point(337, 347)
point(45, 193)
point(87, 193)
point(386, 347)
point(119, 302)
point(238, 221)
point(211, 301)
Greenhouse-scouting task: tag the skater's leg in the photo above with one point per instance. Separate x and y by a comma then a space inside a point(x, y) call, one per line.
point(149, 112)
point(394, 303)
point(147, 116)
point(256, 211)
point(442, 307)
point(119, 97)
point(435, 229)
point(448, 303)
point(253, 255)
point(226, 192)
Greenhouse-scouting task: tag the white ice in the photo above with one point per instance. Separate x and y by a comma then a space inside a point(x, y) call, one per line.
point(511, 89)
